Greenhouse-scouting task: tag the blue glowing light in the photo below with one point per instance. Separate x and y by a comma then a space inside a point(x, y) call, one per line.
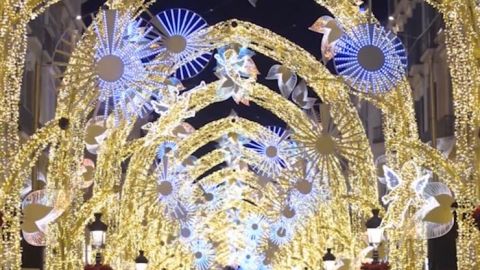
point(122, 63)
point(273, 149)
point(370, 59)
point(165, 148)
point(183, 41)
point(249, 259)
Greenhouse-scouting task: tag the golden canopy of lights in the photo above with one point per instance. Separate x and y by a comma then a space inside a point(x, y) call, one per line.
point(156, 206)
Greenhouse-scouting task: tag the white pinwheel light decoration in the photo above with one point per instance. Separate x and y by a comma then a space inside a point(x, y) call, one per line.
point(331, 31)
point(287, 79)
point(434, 218)
point(40, 208)
point(95, 133)
point(236, 70)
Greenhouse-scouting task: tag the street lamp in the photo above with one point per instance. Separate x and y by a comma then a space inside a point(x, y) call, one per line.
point(98, 231)
point(374, 232)
point(141, 262)
point(329, 260)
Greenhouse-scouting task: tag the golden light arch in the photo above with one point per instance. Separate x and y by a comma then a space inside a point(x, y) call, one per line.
point(345, 10)
point(116, 140)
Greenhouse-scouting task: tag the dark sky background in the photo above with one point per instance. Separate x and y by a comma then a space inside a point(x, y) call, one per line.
point(289, 18)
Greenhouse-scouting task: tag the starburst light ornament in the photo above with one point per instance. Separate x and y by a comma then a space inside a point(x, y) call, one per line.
point(281, 233)
point(187, 234)
point(203, 254)
point(249, 259)
point(168, 183)
point(213, 195)
point(321, 142)
point(371, 59)
point(254, 228)
point(123, 64)
point(273, 149)
point(183, 40)
point(306, 187)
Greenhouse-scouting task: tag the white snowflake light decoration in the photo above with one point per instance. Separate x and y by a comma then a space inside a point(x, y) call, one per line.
point(370, 59)
point(214, 196)
point(254, 227)
point(273, 150)
point(123, 65)
point(203, 254)
point(281, 232)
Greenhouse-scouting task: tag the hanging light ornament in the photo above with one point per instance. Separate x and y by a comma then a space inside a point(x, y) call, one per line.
point(183, 41)
point(273, 149)
point(371, 59)
point(213, 195)
point(203, 254)
point(123, 65)
point(254, 227)
point(281, 232)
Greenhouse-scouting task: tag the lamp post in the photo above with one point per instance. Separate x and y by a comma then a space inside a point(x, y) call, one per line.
point(375, 233)
point(98, 231)
point(141, 262)
point(329, 260)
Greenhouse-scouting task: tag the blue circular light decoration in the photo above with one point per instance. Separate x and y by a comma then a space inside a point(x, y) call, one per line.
point(371, 59)
point(179, 29)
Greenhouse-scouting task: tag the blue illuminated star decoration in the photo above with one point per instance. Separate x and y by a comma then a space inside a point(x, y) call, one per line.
point(123, 64)
point(183, 40)
point(203, 254)
point(273, 149)
point(370, 58)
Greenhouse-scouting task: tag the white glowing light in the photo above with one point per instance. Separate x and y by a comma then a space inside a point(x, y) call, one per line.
point(273, 150)
point(254, 228)
point(281, 233)
point(183, 40)
point(203, 254)
point(370, 59)
point(123, 65)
